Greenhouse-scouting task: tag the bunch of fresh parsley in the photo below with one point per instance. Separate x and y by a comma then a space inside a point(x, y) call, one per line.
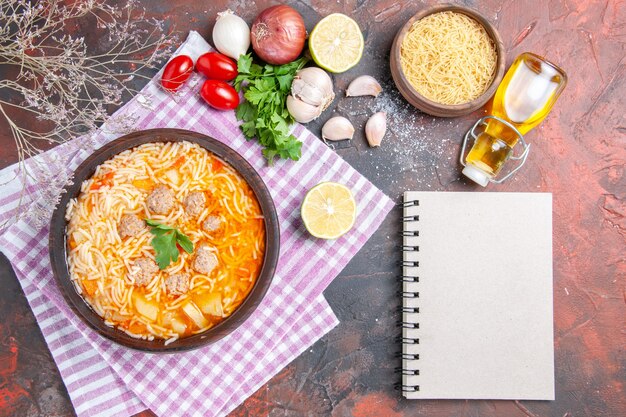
point(164, 243)
point(264, 112)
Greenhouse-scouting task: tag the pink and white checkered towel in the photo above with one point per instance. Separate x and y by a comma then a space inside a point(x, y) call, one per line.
point(105, 379)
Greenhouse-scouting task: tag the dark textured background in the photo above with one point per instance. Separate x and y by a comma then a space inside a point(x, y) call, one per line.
point(579, 155)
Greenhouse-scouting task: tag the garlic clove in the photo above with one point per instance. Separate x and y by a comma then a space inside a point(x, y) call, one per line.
point(307, 92)
point(375, 128)
point(364, 85)
point(337, 128)
point(302, 112)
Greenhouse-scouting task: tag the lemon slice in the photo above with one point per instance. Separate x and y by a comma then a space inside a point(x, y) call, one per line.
point(336, 43)
point(328, 210)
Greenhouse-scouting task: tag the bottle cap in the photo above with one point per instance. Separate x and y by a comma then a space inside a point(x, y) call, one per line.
point(480, 177)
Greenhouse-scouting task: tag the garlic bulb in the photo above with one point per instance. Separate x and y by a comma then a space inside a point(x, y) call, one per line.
point(364, 85)
point(375, 128)
point(302, 112)
point(231, 34)
point(311, 87)
point(337, 128)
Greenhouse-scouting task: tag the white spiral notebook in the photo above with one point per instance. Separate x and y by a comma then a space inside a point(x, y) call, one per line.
point(477, 296)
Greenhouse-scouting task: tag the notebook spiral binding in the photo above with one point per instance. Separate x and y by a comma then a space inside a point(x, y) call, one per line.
point(408, 371)
point(409, 295)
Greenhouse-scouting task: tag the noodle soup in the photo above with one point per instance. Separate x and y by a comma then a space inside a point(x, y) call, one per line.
point(187, 191)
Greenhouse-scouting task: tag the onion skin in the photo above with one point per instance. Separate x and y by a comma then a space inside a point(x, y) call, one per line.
point(278, 35)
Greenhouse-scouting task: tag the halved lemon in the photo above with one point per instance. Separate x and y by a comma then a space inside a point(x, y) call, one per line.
point(336, 43)
point(328, 210)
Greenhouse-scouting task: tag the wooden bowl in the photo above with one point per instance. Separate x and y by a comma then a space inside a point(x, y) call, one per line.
point(59, 245)
point(432, 107)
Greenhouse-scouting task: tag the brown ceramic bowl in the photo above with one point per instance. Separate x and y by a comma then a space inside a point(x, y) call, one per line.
point(58, 241)
point(432, 107)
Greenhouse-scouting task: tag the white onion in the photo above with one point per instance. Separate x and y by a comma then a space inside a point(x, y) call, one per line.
point(231, 34)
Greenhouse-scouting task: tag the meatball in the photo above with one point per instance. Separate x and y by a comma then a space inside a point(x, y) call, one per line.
point(177, 284)
point(130, 225)
point(212, 223)
point(142, 271)
point(205, 260)
point(195, 203)
point(161, 200)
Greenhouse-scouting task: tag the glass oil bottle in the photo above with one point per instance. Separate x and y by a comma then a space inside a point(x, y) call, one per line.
point(524, 98)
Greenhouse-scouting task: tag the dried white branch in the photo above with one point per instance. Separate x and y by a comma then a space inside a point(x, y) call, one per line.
point(52, 76)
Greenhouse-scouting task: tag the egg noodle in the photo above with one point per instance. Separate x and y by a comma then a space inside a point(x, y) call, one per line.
point(448, 58)
point(100, 260)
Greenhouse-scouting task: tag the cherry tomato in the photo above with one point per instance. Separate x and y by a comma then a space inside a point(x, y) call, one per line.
point(219, 95)
point(176, 72)
point(216, 66)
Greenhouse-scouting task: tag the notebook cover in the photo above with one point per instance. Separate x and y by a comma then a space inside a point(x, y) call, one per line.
point(484, 327)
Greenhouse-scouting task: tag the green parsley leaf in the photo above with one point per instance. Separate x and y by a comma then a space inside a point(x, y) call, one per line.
point(244, 63)
point(264, 113)
point(159, 232)
point(246, 111)
point(184, 242)
point(165, 249)
point(270, 154)
point(165, 242)
point(280, 125)
point(292, 149)
point(257, 96)
point(156, 225)
point(284, 81)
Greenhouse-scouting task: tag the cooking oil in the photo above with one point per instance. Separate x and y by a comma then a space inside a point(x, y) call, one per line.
point(526, 95)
